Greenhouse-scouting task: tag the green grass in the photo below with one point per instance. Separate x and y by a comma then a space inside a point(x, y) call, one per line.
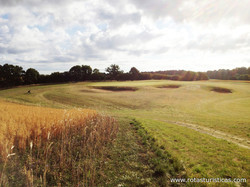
point(202, 155)
point(136, 161)
point(160, 109)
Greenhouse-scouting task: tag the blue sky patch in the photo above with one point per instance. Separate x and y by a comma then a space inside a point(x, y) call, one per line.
point(74, 29)
point(5, 16)
point(103, 26)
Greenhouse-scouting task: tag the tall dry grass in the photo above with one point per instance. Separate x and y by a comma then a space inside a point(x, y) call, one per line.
point(43, 146)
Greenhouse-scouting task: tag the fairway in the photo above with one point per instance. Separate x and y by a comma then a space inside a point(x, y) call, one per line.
point(207, 130)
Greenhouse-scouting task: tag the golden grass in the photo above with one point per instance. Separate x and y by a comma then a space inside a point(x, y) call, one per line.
point(30, 123)
point(55, 139)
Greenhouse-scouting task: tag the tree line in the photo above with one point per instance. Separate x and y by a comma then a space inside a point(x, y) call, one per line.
point(242, 73)
point(12, 75)
point(180, 75)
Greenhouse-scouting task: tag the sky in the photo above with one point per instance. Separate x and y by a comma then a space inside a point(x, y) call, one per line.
point(151, 35)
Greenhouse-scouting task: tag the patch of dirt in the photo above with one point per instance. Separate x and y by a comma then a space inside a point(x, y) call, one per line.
point(116, 88)
point(215, 133)
point(221, 90)
point(169, 86)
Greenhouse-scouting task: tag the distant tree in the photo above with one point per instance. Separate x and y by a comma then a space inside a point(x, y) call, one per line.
point(159, 76)
point(145, 76)
point(201, 76)
point(80, 73)
point(244, 77)
point(96, 71)
point(1, 75)
point(86, 72)
point(175, 78)
point(96, 75)
point(11, 75)
point(189, 76)
point(31, 76)
point(211, 74)
point(56, 77)
point(134, 73)
point(113, 71)
point(123, 76)
point(225, 74)
point(241, 71)
point(76, 73)
point(44, 79)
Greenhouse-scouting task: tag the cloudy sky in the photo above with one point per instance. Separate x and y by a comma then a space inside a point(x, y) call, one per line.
point(54, 35)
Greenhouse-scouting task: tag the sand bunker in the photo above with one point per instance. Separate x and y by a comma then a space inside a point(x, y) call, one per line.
point(116, 88)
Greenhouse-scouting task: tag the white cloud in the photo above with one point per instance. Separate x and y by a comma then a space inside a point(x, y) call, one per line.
point(152, 35)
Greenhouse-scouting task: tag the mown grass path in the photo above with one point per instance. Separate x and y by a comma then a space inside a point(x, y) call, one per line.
point(242, 142)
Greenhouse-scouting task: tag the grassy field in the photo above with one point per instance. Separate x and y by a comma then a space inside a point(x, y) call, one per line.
point(206, 129)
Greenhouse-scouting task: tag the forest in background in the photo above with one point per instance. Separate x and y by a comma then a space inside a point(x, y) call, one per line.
point(12, 75)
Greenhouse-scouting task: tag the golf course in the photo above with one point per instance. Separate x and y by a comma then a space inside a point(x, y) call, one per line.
point(202, 125)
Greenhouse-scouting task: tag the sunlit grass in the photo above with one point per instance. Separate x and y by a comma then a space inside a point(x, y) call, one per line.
point(202, 155)
point(159, 108)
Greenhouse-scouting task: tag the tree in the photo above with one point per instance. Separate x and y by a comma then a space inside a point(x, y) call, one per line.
point(80, 73)
point(134, 73)
point(96, 75)
point(145, 76)
point(31, 76)
point(244, 77)
point(11, 75)
point(242, 70)
point(96, 71)
point(202, 76)
point(237, 73)
point(1, 75)
point(189, 76)
point(113, 71)
point(86, 72)
point(76, 73)
point(175, 78)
